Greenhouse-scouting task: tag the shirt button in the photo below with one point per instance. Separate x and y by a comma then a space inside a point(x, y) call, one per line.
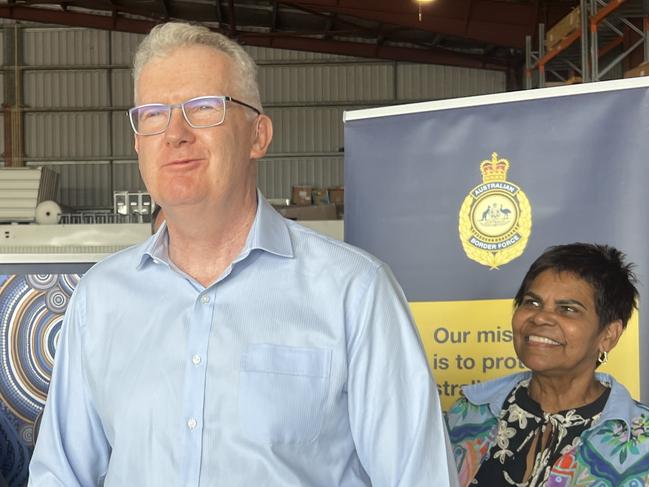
point(191, 423)
point(196, 359)
point(205, 299)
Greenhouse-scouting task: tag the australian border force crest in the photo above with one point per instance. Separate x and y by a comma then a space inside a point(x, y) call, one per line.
point(495, 217)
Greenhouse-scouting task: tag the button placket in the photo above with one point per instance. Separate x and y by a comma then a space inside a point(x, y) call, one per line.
point(195, 373)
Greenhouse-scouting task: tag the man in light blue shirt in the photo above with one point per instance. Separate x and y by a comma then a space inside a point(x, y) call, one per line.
point(234, 347)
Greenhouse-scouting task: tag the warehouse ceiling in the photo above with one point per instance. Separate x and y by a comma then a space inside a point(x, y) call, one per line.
point(471, 33)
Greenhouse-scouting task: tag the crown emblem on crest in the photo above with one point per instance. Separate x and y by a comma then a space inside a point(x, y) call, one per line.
point(494, 169)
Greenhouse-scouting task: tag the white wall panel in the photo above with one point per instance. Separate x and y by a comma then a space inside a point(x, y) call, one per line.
point(126, 176)
point(66, 88)
point(326, 83)
point(2, 127)
point(56, 47)
point(83, 186)
point(123, 47)
point(2, 138)
point(122, 87)
point(275, 177)
point(267, 55)
point(122, 136)
point(319, 129)
point(427, 82)
point(61, 135)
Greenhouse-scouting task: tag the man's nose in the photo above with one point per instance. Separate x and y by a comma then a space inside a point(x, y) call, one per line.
point(178, 131)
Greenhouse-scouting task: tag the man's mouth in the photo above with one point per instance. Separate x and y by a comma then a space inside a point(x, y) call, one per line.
point(180, 163)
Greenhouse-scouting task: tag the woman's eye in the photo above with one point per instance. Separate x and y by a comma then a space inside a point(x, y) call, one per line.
point(531, 303)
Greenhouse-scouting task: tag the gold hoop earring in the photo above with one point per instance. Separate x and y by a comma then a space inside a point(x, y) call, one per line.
point(602, 358)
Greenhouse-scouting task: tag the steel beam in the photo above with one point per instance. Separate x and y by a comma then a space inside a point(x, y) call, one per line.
point(430, 56)
point(276, 40)
point(491, 21)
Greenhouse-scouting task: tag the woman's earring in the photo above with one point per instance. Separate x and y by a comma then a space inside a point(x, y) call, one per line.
point(602, 358)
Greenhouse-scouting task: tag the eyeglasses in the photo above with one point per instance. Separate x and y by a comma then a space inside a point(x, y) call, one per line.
point(200, 113)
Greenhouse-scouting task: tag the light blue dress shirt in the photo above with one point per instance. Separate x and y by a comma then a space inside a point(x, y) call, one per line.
point(299, 366)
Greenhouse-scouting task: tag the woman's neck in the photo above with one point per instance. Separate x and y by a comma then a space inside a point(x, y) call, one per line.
point(556, 394)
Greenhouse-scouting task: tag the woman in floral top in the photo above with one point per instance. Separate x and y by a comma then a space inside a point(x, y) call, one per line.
point(561, 424)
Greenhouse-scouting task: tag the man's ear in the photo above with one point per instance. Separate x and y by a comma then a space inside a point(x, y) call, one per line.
point(262, 137)
point(136, 144)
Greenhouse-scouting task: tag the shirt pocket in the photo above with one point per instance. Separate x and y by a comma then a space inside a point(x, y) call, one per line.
point(282, 391)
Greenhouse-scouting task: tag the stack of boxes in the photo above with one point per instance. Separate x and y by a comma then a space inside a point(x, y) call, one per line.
point(640, 70)
point(309, 203)
point(563, 29)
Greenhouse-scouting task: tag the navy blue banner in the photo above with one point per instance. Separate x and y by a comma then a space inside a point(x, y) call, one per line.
point(460, 196)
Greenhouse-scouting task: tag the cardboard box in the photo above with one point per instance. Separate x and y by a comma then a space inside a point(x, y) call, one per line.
point(301, 195)
point(337, 195)
point(322, 212)
point(570, 81)
point(563, 28)
point(320, 196)
point(640, 70)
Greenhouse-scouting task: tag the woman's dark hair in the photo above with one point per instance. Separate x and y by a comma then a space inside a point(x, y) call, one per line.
point(602, 266)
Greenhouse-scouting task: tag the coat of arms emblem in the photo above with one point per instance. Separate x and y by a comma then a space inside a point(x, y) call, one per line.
point(495, 217)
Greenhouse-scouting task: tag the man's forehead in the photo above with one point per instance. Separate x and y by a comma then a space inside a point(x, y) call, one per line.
point(192, 70)
point(188, 54)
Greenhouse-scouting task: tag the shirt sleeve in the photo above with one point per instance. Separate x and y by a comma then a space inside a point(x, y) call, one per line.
point(394, 407)
point(71, 449)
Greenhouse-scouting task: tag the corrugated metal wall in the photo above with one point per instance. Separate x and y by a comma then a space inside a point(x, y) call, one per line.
point(77, 86)
point(2, 90)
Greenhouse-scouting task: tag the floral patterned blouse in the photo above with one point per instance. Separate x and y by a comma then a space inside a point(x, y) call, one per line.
point(521, 422)
point(610, 450)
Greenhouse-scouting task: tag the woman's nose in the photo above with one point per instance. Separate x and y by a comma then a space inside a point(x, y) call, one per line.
point(543, 316)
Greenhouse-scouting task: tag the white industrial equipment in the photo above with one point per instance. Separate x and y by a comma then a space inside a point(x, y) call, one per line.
point(22, 189)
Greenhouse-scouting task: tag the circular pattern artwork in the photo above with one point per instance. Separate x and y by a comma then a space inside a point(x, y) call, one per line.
point(31, 315)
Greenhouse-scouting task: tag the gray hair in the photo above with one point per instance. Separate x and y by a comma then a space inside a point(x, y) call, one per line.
point(165, 38)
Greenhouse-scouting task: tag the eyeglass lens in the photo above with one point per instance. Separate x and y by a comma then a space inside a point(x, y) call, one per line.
point(200, 112)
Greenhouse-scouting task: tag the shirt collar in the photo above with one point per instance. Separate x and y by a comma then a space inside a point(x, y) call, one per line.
point(493, 392)
point(268, 233)
point(619, 406)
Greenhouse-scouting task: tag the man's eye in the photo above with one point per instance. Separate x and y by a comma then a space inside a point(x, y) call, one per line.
point(151, 114)
point(201, 108)
point(568, 309)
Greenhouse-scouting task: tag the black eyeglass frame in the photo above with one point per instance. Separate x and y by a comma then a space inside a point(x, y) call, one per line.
point(224, 98)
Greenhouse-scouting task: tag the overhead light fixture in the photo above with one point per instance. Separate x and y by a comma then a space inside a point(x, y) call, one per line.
point(419, 4)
